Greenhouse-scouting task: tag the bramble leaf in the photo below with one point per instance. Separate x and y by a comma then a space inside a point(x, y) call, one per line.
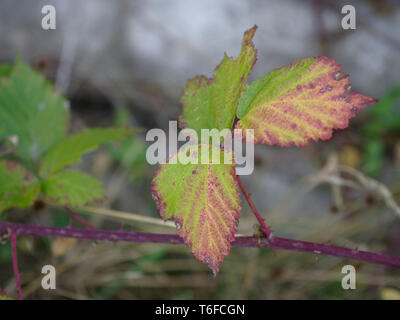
point(30, 109)
point(204, 201)
point(212, 103)
point(305, 100)
point(18, 188)
point(70, 150)
point(73, 188)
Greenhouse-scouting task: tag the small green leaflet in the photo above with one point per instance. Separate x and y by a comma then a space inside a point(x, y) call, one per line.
point(305, 100)
point(73, 188)
point(69, 150)
point(211, 103)
point(32, 110)
point(18, 188)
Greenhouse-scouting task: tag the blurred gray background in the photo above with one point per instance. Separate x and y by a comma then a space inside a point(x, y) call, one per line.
point(125, 42)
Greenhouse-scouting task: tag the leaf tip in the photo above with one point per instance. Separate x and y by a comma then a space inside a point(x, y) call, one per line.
point(249, 34)
point(212, 266)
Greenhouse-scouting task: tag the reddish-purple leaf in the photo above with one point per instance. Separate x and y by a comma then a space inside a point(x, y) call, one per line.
point(204, 201)
point(305, 100)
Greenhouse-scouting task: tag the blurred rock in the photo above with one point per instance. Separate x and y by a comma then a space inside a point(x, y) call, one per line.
point(123, 42)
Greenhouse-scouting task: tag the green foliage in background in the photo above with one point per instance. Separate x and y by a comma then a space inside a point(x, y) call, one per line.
point(384, 120)
point(130, 153)
point(35, 121)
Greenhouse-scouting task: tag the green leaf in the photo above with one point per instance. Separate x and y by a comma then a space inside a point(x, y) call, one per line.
point(204, 201)
point(18, 188)
point(385, 116)
point(70, 150)
point(383, 120)
point(305, 100)
point(131, 154)
point(373, 159)
point(73, 188)
point(212, 103)
point(32, 110)
point(5, 70)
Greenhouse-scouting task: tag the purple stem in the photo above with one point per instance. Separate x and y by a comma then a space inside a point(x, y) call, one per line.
point(80, 218)
point(266, 230)
point(272, 243)
point(15, 261)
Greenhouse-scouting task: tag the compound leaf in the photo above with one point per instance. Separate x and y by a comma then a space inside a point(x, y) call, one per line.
point(212, 103)
point(69, 150)
point(73, 188)
point(18, 188)
point(305, 100)
point(204, 201)
point(32, 110)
